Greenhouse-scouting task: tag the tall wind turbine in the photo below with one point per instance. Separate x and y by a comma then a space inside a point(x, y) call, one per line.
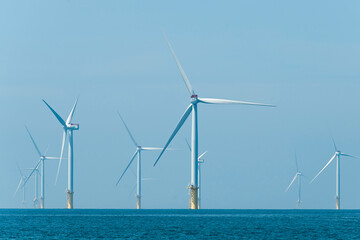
point(298, 175)
point(336, 156)
point(194, 100)
point(68, 131)
point(138, 151)
point(200, 161)
point(41, 162)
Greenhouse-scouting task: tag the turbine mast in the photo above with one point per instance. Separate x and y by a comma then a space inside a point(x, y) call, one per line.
point(70, 189)
point(338, 182)
point(194, 181)
point(138, 190)
point(42, 183)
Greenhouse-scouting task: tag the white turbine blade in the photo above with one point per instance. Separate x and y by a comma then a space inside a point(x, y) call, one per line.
point(33, 170)
point(68, 120)
point(33, 141)
point(146, 179)
point(61, 155)
point(287, 189)
point(183, 74)
point(151, 148)
point(202, 155)
point(181, 122)
point(132, 159)
point(187, 143)
point(21, 174)
point(225, 101)
point(56, 115)
point(128, 130)
point(296, 161)
point(348, 155)
point(52, 158)
point(18, 187)
point(334, 143)
point(333, 157)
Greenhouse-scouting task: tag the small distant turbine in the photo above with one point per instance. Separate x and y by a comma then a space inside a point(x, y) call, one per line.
point(298, 175)
point(337, 155)
point(200, 161)
point(42, 169)
point(68, 130)
point(22, 184)
point(138, 151)
point(192, 108)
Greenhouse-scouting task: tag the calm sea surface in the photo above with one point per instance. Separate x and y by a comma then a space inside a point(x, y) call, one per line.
point(179, 224)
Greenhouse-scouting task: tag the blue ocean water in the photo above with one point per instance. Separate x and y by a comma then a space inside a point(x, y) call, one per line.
point(179, 224)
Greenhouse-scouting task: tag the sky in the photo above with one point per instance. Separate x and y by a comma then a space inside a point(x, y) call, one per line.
point(301, 56)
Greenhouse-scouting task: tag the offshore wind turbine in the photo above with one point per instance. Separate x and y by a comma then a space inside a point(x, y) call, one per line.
point(68, 131)
point(297, 176)
point(200, 161)
point(22, 184)
point(40, 163)
point(336, 156)
point(192, 108)
point(138, 151)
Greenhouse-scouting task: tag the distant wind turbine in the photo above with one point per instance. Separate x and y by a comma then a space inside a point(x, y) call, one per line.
point(337, 155)
point(22, 184)
point(68, 130)
point(138, 151)
point(298, 175)
point(194, 100)
point(42, 169)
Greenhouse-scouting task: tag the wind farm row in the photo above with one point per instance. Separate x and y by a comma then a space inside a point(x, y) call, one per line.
point(196, 157)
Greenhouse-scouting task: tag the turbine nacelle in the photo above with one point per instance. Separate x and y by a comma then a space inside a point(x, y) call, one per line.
point(72, 126)
point(194, 99)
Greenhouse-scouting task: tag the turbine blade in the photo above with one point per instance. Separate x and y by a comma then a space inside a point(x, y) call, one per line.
point(18, 187)
point(225, 101)
point(56, 115)
point(33, 141)
point(296, 162)
point(334, 143)
point(183, 74)
point(333, 157)
point(128, 130)
point(202, 155)
point(187, 143)
point(151, 148)
point(68, 120)
point(287, 189)
point(52, 158)
point(181, 122)
point(348, 155)
point(34, 169)
point(132, 159)
point(61, 155)
point(18, 167)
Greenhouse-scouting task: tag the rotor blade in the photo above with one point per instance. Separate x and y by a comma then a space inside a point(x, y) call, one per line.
point(68, 120)
point(348, 155)
point(183, 74)
point(151, 148)
point(52, 158)
point(187, 143)
point(132, 159)
point(334, 143)
point(33, 141)
point(202, 155)
point(127, 129)
point(18, 187)
point(61, 155)
point(182, 120)
point(18, 167)
point(34, 169)
point(56, 115)
point(296, 162)
point(225, 101)
point(333, 157)
point(291, 182)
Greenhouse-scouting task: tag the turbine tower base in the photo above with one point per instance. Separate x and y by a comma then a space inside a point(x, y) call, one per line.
point(337, 203)
point(138, 202)
point(69, 204)
point(41, 203)
point(194, 201)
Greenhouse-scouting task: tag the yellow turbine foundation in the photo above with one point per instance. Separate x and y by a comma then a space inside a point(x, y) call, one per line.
point(194, 201)
point(337, 203)
point(41, 202)
point(138, 203)
point(70, 200)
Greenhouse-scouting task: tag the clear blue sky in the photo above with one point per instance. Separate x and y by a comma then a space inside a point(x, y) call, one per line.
point(302, 56)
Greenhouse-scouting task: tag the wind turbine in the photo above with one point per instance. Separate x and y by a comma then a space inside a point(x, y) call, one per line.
point(336, 156)
point(194, 100)
point(138, 151)
point(22, 184)
point(42, 169)
point(200, 161)
point(68, 130)
point(298, 175)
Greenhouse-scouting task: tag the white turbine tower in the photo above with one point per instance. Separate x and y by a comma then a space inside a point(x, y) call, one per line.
point(200, 161)
point(298, 175)
point(138, 151)
point(337, 155)
point(194, 99)
point(22, 184)
point(40, 163)
point(36, 192)
point(68, 130)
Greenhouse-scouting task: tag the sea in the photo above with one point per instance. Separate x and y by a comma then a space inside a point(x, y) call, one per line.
point(178, 224)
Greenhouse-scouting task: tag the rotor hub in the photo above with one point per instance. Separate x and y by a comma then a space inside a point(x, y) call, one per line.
point(194, 98)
